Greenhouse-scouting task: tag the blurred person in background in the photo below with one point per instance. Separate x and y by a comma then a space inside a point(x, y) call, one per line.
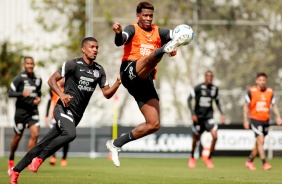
point(144, 45)
point(82, 75)
point(202, 115)
point(50, 121)
point(259, 99)
point(26, 87)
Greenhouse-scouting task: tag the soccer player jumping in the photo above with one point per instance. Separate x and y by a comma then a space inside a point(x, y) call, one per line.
point(144, 46)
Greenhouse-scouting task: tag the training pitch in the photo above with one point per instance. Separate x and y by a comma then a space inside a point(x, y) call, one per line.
point(227, 170)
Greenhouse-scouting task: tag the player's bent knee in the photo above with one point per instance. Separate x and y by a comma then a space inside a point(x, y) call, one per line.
point(154, 126)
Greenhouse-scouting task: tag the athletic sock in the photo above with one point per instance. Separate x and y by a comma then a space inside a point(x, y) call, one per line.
point(159, 52)
point(263, 161)
point(250, 159)
point(12, 157)
point(119, 142)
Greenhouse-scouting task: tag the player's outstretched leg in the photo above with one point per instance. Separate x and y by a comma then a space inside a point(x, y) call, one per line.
point(181, 38)
point(114, 152)
point(35, 164)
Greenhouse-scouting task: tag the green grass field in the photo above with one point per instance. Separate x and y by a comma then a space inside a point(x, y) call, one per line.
point(227, 170)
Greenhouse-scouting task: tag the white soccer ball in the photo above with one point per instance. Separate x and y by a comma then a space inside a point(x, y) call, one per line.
point(184, 30)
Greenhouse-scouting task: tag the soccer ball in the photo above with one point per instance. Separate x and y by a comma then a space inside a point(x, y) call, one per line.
point(184, 30)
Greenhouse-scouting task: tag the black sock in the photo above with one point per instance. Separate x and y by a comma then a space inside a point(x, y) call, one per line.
point(263, 161)
point(192, 155)
point(250, 159)
point(11, 157)
point(119, 142)
point(159, 52)
point(65, 151)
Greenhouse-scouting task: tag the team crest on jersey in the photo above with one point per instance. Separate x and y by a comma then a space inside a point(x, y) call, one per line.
point(96, 73)
point(37, 82)
point(20, 126)
point(213, 91)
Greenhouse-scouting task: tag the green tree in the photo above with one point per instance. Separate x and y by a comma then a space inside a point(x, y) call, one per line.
point(10, 66)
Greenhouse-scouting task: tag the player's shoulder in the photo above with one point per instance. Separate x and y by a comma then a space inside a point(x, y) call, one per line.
point(37, 76)
point(201, 86)
point(98, 66)
point(253, 89)
point(269, 90)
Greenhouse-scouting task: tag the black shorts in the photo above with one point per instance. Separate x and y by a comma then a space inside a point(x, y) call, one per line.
point(25, 118)
point(203, 125)
point(259, 127)
point(141, 89)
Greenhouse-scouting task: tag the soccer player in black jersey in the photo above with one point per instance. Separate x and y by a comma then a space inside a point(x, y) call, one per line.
point(81, 78)
point(202, 115)
point(26, 87)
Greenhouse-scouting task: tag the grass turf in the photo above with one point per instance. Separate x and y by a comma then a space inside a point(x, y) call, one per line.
point(147, 170)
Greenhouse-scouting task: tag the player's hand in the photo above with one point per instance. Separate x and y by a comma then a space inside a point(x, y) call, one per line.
point(278, 121)
point(117, 27)
point(118, 79)
point(46, 121)
point(222, 117)
point(246, 124)
point(37, 100)
point(26, 93)
point(195, 118)
point(66, 99)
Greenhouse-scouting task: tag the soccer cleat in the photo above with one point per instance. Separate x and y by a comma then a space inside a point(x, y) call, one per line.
point(114, 152)
point(13, 176)
point(11, 164)
point(52, 160)
point(29, 167)
point(209, 163)
point(35, 164)
point(192, 163)
point(250, 165)
point(177, 41)
point(63, 163)
point(266, 166)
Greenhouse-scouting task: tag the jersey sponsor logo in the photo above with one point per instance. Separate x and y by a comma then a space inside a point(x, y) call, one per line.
point(205, 101)
point(131, 75)
point(261, 106)
point(145, 49)
point(96, 73)
point(81, 70)
point(28, 87)
point(86, 79)
point(79, 62)
point(85, 84)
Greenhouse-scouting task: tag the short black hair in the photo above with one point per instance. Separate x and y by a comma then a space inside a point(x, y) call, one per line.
point(27, 57)
point(144, 5)
point(87, 39)
point(209, 71)
point(261, 74)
